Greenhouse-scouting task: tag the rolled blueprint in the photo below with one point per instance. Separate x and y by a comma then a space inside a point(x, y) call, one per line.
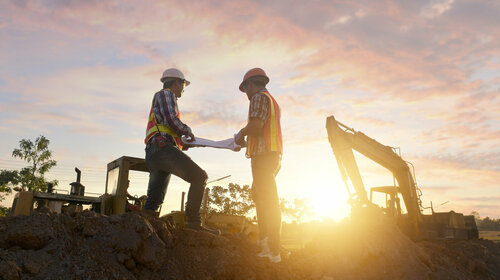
point(222, 144)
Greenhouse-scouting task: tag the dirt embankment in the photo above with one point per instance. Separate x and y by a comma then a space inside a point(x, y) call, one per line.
point(130, 246)
point(374, 250)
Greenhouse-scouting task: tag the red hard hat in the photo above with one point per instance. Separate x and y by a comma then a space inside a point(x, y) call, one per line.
point(253, 73)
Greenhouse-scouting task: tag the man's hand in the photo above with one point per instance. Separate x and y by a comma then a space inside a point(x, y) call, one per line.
point(239, 139)
point(190, 137)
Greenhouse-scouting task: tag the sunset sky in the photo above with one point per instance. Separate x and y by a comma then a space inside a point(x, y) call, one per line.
point(420, 75)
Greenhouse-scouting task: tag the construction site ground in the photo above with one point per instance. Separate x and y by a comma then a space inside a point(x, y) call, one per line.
point(87, 245)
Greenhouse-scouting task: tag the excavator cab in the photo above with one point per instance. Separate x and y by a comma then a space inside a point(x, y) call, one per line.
point(392, 202)
point(116, 198)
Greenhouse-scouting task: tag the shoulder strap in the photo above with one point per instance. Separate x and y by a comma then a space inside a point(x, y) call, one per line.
point(152, 104)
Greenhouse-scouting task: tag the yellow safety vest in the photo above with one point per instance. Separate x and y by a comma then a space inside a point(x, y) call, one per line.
point(153, 127)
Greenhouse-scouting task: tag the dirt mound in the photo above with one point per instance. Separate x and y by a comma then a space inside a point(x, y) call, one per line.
point(378, 250)
point(130, 246)
point(362, 251)
point(460, 259)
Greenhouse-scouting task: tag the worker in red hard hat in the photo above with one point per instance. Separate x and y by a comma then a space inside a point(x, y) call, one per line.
point(264, 148)
point(164, 155)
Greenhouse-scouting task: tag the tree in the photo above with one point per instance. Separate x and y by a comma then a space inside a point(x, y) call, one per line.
point(486, 223)
point(477, 218)
point(489, 224)
point(38, 155)
point(8, 179)
point(31, 177)
point(233, 200)
point(296, 210)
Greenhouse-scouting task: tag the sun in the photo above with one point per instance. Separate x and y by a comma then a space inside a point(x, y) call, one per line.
point(329, 201)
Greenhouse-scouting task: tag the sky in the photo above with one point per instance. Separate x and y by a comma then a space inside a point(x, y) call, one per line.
point(423, 76)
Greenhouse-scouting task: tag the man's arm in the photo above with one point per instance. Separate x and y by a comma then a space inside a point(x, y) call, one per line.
point(253, 127)
point(259, 104)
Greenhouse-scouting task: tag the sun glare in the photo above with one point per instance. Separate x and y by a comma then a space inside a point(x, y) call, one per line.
point(329, 202)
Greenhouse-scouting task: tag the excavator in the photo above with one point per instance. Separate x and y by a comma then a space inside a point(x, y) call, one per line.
point(344, 140)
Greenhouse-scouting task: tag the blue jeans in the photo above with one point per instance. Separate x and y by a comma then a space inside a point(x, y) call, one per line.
point(162, 163)
point(265, 167)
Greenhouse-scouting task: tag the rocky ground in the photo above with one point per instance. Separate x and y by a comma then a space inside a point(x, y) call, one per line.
point(131, 246)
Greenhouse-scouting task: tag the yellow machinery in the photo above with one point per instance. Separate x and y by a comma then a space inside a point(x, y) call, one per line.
point(114, 202)
point(117, 183)
point(344, 140)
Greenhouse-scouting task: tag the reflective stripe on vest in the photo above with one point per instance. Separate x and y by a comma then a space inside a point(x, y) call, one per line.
point(272, 129)
point(152, 130)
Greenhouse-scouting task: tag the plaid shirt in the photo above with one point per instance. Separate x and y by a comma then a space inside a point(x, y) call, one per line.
point(165, 109)
point(259, 105)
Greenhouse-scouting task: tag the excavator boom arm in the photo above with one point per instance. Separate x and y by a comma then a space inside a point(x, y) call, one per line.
point(344, 140)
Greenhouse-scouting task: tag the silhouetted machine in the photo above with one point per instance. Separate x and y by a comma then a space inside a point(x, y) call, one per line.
point(414, 223)
point(115, 200)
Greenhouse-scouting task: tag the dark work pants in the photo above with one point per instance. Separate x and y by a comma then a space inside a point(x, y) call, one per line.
point(265, 195)
point(162, 163)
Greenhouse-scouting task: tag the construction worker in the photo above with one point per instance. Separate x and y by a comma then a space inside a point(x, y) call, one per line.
point(164, 155)
point(264, 148)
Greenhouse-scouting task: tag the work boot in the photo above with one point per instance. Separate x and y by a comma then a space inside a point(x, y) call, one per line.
point(204, 229)
point(149, 213)
point(274, 258)
point(264, 246)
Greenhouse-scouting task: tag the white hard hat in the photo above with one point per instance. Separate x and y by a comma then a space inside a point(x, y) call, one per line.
point(173, 73)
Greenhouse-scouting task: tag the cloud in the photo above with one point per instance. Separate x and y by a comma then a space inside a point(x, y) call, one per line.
point(436, 8)
point(411, 66)
point(374, 121)
point(485, 210)
point(80, 100)
point(468, 138)
point(440, 189)
point(482, 198)
point(459, 170)
point(392, 66)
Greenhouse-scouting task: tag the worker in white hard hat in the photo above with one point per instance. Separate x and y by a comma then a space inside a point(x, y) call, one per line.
point(164, 155)
point(264, 148)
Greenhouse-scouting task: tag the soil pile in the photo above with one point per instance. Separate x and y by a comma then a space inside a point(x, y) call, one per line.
point(378, 250)
point(131, 246)
point(128, 246)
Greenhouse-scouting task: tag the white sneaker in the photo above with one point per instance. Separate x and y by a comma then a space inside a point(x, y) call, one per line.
point(264, 248)
point(274, 258)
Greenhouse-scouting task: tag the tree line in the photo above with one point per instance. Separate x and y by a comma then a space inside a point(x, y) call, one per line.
point(486, 223)
point(237, 200)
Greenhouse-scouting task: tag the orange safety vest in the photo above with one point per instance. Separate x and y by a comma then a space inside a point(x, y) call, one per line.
point(272, 129)
point(152, 129)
